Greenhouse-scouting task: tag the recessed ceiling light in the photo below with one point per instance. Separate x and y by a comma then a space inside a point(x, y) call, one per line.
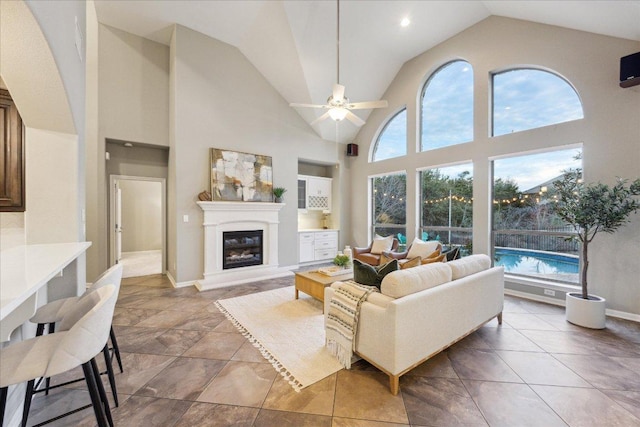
point(405, 22)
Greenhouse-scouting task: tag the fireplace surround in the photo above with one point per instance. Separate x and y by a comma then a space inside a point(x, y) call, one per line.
point(233, 217)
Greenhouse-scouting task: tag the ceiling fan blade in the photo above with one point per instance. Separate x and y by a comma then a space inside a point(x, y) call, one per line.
point(338, 92)
point(367, 105)
point(321, 118)
point(354, 119)
point(293, 104)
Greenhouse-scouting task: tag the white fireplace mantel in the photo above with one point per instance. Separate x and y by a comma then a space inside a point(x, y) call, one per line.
point(220, 217)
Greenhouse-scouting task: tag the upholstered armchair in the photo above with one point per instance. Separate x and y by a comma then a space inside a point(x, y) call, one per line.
point(371, 254)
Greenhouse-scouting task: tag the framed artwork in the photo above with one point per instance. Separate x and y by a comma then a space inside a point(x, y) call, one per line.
point(237, 176)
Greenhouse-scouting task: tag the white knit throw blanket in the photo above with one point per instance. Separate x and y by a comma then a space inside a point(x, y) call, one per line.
point(342, 319)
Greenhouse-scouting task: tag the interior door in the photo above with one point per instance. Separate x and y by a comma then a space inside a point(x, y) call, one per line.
point(118, 225)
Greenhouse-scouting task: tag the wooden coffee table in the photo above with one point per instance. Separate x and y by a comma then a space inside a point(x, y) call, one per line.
point(313, 283)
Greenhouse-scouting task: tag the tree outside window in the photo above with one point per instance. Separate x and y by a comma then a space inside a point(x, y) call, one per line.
point(389, 202)
point(446, 212)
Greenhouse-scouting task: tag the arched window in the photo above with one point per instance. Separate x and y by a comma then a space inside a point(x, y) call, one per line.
point(392, 141)
point(447, 107)
point(527, 99)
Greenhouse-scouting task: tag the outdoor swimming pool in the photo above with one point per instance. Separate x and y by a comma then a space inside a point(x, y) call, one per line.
point(549, 265)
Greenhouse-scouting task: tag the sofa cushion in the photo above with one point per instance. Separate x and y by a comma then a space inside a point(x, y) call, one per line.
point(412, 280)
point(422, 249)
point(370, 275)
point(381, 244)
point(466, 266)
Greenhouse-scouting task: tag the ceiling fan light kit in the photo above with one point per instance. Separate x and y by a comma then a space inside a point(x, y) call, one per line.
point(338, 105)
point(338, 113)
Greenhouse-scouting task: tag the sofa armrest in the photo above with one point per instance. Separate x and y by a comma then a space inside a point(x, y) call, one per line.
point(358, 251)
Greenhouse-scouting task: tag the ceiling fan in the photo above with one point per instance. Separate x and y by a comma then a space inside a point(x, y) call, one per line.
point(338, 106)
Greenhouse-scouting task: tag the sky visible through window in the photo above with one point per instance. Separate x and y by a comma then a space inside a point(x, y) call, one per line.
point(531, 170)
point(447, 107)
point(528, 99)
point(392, 141)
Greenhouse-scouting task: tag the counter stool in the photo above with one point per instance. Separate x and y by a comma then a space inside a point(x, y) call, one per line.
point(53, 312)
point(74, 346)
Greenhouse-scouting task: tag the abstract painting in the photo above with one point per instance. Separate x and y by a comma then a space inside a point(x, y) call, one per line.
point(239, 176)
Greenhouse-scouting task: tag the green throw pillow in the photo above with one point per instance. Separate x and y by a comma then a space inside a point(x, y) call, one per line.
point(370, 275)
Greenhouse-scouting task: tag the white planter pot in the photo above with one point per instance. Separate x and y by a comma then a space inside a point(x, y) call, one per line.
point(589, 313)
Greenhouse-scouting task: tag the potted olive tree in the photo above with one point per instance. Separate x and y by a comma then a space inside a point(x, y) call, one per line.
point(590, 209)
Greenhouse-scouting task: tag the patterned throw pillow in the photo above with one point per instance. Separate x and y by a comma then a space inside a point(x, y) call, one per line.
point(370, 275)
point(404, 263)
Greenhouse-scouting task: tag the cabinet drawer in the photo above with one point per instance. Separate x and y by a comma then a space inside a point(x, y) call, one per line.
point(326, 253)
point(306, 237)
point(324, 235)
point(325, 244)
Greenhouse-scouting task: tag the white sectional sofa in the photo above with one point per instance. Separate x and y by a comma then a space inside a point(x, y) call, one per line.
point(423, 310)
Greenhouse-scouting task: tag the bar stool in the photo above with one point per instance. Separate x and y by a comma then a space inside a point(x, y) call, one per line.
point(53, 312)
point(50, 355)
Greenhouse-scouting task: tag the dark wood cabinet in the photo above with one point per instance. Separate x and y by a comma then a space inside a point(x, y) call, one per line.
point(12, 197)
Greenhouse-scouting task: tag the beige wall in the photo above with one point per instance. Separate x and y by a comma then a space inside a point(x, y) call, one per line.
point(610, 132)
point(51, 187)
point(132, 85)
point(220, 100)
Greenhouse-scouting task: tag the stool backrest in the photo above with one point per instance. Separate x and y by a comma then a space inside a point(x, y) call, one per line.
point(113, 276)
point(91, 318)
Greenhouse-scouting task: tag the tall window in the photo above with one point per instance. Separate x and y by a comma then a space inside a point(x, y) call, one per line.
point(528, 238)
point(447, 107)
point(527, 99)
point(389, 203)
point(392, 141)
point(446, 212)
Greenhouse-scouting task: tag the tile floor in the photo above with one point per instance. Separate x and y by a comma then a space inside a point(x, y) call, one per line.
point(186, 365)
point(143, 263)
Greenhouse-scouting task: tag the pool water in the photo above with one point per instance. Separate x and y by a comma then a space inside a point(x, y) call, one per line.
point(538, 263)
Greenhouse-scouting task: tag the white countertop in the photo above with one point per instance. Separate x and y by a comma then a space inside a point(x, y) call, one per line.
point(308, 230)
point(27, 268)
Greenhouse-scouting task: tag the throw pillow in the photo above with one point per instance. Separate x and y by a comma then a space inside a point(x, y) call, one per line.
point(381, 245)
point(370, 275)
point(422, 249)
point(438, 258)
point(453, 253)
point(404, 263)
point(409, 263)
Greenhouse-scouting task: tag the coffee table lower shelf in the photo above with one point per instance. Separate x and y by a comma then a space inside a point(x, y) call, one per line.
point(313, 283)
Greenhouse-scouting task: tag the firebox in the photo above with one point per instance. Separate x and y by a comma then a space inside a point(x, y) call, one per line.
point(241, 248)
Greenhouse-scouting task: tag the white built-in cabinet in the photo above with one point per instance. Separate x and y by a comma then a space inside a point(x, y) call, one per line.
point(314, 193)
point(317, 245)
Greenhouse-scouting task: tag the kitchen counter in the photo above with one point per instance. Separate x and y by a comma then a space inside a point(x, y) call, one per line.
point(26, 269)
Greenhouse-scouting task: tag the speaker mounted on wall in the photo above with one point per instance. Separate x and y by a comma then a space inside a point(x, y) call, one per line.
point(352, 150)
point(630, 70)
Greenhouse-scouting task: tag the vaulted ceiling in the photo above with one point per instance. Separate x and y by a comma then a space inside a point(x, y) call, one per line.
point(293, 43)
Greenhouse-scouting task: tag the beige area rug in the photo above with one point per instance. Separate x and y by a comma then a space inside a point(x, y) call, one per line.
point(288, 332)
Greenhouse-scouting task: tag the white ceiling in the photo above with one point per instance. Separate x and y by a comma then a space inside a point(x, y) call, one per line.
point(293, 43)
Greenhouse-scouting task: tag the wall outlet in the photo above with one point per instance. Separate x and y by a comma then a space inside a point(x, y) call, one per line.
point(550, 292)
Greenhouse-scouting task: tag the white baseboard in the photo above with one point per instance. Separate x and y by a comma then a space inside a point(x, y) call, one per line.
point(554, 301)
